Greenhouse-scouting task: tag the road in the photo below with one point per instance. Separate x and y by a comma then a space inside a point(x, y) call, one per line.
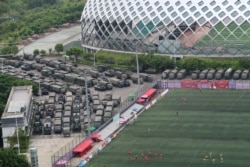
point(63, 36)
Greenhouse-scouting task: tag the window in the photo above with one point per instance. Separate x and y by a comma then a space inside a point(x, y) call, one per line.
point(163, 14)
point(147, 3)
point(243, 7)
point(214, 20)
point(109, 13)
point(202, 20)
point(125, 13)
point(185, 14)
point(209, 14)
point(200, 3)
point(181, 9)
point(239, 20)
point(247, 13)
point(212, 3)
point(174, 14)
point(193, 8)
point(217, 9)
point(234, 14)
point(170, 9)
point(127, 19)
point(143, 14)
point(205, 9)
point(133, 14)
point(167, 3)
point(237, 3)
point(229, 8)
point(159, 9)
point(150, 9)
point(131, 8)
point(178, 20)
point(119, 19)
point(227, 20)
point(221, 14)
point(157, 3)
point(197, 14)
point(146, 20)
point(189, 3)
point(190, 20)
point(152, 14)
point(156, 20)
point(177, 3)
point(225, 3)
point(167, 20)
point(137, 3)
point(140, 8)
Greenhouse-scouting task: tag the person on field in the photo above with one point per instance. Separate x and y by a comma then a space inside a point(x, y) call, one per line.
point(161, 155)
point(129, 152)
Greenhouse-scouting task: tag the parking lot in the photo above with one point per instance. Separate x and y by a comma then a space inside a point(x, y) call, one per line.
point(59, 79)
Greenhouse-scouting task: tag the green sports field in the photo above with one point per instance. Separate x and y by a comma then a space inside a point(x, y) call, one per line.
point(190, 128)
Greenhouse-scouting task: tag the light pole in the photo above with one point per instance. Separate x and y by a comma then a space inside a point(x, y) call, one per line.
point(2, 65)
point(137, 68)
point(174, 54)
point(17, 134)
point(87, 102)
point(94, 58)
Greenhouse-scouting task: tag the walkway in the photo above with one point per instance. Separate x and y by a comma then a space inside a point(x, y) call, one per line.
point(107, 132)
point(64, 36)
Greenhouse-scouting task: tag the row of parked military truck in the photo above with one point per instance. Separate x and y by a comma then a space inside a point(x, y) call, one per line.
point(53, 72)
point(68, 113)
point(207, 74)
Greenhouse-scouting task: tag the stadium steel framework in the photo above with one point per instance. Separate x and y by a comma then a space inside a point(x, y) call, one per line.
point(168, 26)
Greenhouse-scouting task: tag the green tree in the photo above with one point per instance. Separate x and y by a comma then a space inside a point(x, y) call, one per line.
point(59, 48)
point(10, 158)
point(192, 63)
point(36, 52)
point(43, 52)
point(76, 51)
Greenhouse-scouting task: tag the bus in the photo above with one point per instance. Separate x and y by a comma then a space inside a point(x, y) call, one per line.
point(146, 96)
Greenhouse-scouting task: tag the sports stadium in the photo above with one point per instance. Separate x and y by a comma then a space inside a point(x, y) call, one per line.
point(167, 27)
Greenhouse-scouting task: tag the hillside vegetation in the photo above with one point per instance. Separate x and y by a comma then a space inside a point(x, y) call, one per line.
point(20, 19)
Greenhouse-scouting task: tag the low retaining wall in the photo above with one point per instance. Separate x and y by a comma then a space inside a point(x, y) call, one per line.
point(204, 84)
point(114, 134)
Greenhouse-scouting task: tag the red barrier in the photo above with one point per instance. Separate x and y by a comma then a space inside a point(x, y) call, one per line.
point(206, 84)
point(188, 84)
point(221, 84)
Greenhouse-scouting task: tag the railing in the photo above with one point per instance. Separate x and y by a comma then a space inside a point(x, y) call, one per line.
point(65, 153)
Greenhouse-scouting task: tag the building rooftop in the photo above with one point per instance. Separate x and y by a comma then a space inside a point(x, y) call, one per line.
point(18, 102)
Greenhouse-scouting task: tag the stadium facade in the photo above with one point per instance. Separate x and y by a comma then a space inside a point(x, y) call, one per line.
point(168, 26)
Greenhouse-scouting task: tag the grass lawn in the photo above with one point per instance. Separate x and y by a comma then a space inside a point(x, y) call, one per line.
point(210, 124)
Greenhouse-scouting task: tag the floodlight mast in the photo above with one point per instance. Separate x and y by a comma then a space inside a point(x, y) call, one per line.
point(2, 65)
point(137, 68)
point(17, 135)
point(87, 101)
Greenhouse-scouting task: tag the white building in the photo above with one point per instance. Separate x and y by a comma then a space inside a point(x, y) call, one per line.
point(167, 26)
point(17, 112)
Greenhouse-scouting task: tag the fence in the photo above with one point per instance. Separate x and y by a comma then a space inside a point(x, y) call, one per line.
point(204, 84)
point(65, 153)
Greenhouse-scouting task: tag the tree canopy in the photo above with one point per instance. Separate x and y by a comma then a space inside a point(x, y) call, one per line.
point(10, 158)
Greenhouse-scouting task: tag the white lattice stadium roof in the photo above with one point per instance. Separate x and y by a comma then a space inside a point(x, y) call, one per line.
point(164, 26)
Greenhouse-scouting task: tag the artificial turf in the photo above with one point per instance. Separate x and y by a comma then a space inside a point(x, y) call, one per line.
point(210, 124)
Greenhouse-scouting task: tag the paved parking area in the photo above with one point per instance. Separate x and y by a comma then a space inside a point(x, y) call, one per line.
point(47, 145)
point(64, 36)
